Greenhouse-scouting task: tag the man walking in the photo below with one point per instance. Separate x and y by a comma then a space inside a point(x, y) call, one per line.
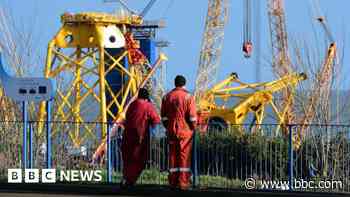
point(179, 117)
point(139, 118)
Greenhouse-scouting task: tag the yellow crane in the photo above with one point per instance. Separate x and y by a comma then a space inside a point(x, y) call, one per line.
point(281, 62)
point(207, 92)
point(321, 89)
point(279, 39)
point(212, 43)
point(254, 99)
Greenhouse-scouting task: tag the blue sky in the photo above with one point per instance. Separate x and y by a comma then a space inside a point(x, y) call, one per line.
point(185, 25)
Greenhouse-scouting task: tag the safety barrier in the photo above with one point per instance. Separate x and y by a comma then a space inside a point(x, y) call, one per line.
point(237, 156)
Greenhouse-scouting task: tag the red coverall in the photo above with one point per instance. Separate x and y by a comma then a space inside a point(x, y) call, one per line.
point(179, 116)
point(140, 116)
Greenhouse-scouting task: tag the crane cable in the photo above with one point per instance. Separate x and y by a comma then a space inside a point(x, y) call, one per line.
point(147, 8)
point(317, 12)
point(170, 4)
point(257, 40)
point(247, 23)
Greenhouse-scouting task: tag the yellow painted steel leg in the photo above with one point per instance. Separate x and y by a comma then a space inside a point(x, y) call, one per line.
point(76, 107)
point(102, 91)
point(42, 106)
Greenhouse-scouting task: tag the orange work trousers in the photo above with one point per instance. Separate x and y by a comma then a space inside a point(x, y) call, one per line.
point(180, 150)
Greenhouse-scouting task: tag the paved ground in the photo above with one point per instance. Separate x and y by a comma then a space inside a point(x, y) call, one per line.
point(87, 195)
point(44, 195)
point(76, 190)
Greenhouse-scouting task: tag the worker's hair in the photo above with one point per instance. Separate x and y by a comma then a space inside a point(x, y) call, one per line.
point(180, 81)
point(143, 94)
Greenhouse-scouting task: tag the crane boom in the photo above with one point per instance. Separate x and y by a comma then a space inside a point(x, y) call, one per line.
point(320, 92)
point(278, 32)
point(211, 45)
point(322, 87)
point(273, 86)
point(285, 81)
point(323, 78)
point(281, 63)
point(251, 98)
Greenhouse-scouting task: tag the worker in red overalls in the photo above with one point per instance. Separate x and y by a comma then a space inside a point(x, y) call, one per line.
point(139, 118)
point(179, 117)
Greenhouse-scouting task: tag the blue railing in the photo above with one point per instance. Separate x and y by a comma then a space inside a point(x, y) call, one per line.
point(222, 157)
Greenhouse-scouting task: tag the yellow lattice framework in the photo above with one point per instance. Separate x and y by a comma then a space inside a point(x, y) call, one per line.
point(79, 58)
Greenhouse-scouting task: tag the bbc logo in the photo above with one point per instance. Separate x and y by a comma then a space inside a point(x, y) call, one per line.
point(31, 176)
point(49, 175)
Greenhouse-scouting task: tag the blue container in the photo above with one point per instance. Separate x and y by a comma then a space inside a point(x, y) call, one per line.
point(148, 48)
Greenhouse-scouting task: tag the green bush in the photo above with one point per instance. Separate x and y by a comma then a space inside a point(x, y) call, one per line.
point(241, 156)
point(153, 176)
point(219, 182)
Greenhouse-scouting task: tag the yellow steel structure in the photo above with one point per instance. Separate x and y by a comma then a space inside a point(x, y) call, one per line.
point(321, 88)
point(254, 99)
point(281, 63)
point(210, 58)
point(9, 114)
point(213, 39)
point(320, 92)
point(279, 40)
point(79, 61)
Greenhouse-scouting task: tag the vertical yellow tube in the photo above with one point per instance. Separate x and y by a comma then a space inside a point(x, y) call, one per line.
point(42, 106)
point(76, 110)
point(102, 91)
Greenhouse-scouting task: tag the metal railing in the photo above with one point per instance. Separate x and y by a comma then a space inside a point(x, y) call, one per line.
point(222, 157)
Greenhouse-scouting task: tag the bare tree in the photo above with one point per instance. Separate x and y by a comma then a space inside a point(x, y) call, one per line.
point(18, 46)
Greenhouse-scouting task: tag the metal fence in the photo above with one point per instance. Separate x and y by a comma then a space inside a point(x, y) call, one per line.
point(240, 156)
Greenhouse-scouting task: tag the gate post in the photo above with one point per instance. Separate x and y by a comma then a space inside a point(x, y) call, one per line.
point(194, 160)
point(48, 135)
point(290, 157)
point(24, 143)
point(30, 144)
point(109, 163)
